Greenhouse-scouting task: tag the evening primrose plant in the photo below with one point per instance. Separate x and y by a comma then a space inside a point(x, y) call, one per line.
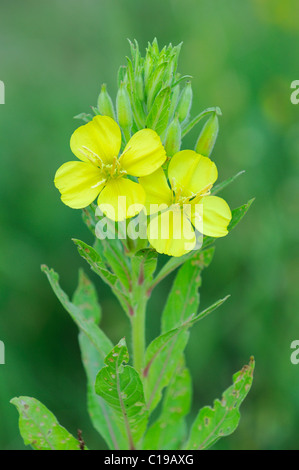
point(144, 198)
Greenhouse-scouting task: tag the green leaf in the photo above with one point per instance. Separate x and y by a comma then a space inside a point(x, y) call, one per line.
point(199, 117)
point(119, 263)
point(95, 261)
point(219, 187)
point(83, 321)
point(144, 264)
point(174, 262)
point(84, 117)
point(183, 300)
point(168, 432)
point(158, 116)
point(155, 83)
point(102, 416)
point(163, 355)
point(239, 213)
point(99, 267)
point(39, 427)
point(86, 299)
point(213, 423)
point(120, 385)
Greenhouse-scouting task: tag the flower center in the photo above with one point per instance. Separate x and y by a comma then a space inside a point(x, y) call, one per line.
point(180, 200)
point(113, 170)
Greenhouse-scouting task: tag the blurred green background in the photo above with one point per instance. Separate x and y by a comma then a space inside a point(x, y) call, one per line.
point(243, 57)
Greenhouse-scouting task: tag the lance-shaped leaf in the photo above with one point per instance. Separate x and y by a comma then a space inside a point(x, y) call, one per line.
point(95, 261)
point(39, 427)
point(144, 264)
point(121, 387)
point(219, 187)
point(158, 116)
point(102, 416)
point(199, 117)
point(169, 431)
point(99, 267)
point(164, 354)
point(86, 299)
point(86, 325)
point(213, 423)
point(183, 300)
point(239, 213)
point(155, 83)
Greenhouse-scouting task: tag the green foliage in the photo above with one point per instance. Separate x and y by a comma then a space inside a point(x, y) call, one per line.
point(39, 427)
point(169, 430)
point(164, 353)
point(120, 386)
point(213, 423)
point(183, 300)
point(101, 415)
point(120, 398)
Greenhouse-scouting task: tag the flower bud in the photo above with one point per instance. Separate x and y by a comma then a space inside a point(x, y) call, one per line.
point(105, 105)
point(174, 100)
point(173, 138)
point(148, 68)
point(208, 136)
point(139, 86)
point(185, 102)
point(123, 108)
point(121, 75)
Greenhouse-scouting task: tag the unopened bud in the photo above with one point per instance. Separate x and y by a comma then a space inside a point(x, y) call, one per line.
point(208, 136)
point(139, 86)
point(173, 138)
point(121, 75)
point(123, 108)
point(185, 102)
point(148, 68)
point(105, 105)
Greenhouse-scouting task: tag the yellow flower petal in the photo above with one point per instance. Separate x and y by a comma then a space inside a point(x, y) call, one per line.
point(79, 183)
point(97, 141)
point(216, 216)
point(121, 198)
point(143, 154)
point(157, 191)
point(171, 233)
point(191, 172)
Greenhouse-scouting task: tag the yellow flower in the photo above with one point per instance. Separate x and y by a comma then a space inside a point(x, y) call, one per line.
point(102, 173)
point(185, 204)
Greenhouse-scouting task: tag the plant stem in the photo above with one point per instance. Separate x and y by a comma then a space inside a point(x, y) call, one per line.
point(138, 327)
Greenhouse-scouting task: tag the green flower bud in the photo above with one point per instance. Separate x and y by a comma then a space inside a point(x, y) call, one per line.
point(185, 102)
point(105, 105)
point(148, 68)
point(208, 136)
point(174, 100)
point(139, 86)
point(173, 138)
point(123, 108)
point(155, 48)
point(121, 75)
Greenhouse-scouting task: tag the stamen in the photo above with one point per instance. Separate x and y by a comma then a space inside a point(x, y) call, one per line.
point(94, 154)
